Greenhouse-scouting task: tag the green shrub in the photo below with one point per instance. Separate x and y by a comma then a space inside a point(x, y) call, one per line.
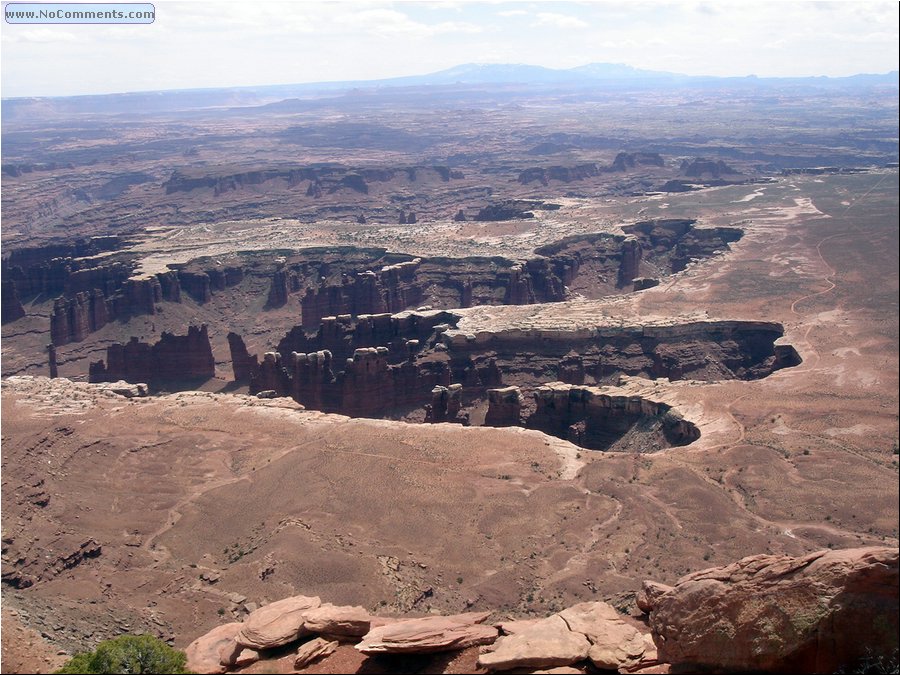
point(128, 654)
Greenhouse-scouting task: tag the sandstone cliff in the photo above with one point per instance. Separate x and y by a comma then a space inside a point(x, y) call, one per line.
point(171, 360)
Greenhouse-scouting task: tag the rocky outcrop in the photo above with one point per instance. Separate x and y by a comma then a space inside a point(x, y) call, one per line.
point(74, 318)
point(243, 364)
point(33, 566)
point(508, 210)
point(700, 167)
point(593, 631)
point(630, 264)
point(82, 312)
point(171, 360)
point(322, 180)
point(10, 304)
point(279, 290)
point(504, 407)
point(203, 654)
point(818, 613)
point(368, 386)
point(196, 284)
point(51, 361)
point(624, 161)
point(445, 404)
point(643, 283)
point(546, 644)
point(337, 621)
point(564, 174)
point(277, 624)
point(429, 635)
point(596, 418)
point(630, 160)
point(615, 644)
point(315, 649)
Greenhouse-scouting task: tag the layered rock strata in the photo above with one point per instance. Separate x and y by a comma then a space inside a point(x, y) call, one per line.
point(172, 359)
point(820, 613)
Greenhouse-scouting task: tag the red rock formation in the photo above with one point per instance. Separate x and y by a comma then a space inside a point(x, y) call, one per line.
point(73, 318)
point(10, 305)
point(368, 385)
point(171, 360)
point(196, 284)
point(445, 404)
point(243, 364)
point(630, 264)
point(279, 290)
point(629, 160)
point(820, 613)
point(571, 369)
point(51, 358)
point(595, 420)
point(429, 634)
point(313, 383)
point(504, 407)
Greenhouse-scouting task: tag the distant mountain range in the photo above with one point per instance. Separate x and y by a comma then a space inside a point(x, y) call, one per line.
point(593, 75)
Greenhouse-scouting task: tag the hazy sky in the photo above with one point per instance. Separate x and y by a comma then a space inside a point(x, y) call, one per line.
point(213, 44)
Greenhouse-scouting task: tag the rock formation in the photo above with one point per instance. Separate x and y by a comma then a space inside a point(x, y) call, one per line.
point(596, 418)
point(10, 304)
point(630, 160)
point(173, 359)
point(429, 634)
point(821, 612)
point(203, 654)
point(504, 407)
point(327, 179)
point(243, 364)
point(546, 644)
point(700, 167)
point(445, 404)
point(315, 649)
point(51, 358)
point(276, 624)
point(74, 318)
point(773, 613)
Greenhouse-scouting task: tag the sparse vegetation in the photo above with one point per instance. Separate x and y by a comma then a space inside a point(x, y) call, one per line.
point(128, 654)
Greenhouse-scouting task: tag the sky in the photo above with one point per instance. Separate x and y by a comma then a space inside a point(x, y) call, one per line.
point(243, 43)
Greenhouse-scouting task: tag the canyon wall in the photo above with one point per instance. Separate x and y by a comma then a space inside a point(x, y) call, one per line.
point(173, 359)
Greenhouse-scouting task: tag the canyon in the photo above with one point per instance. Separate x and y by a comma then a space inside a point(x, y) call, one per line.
point(499, 366)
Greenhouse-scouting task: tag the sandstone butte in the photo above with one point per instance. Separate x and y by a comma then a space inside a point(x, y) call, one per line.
point(821, 612)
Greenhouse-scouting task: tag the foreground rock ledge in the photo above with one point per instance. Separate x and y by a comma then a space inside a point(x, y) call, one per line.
point(767, 613)
point(773, 613)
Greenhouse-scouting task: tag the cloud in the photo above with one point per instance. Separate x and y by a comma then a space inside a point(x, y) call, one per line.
point(43, 35)
point(512, 12)
point(389, 22)
point(559, 20)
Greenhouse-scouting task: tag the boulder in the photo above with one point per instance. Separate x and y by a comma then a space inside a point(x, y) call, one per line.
point(615, 645)
point(546, 644)
point(313, 650)
point(515, 626)
point(774, 613)
point(234, 655)
point(203, 653)
point(650, 592)
point(329, 619)
point(277, 624)
point(429, 634)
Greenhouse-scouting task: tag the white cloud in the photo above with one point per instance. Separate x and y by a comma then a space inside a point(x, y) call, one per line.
point(43, 35)
point(513, 12)
point(559, 20)
point(389, 22)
